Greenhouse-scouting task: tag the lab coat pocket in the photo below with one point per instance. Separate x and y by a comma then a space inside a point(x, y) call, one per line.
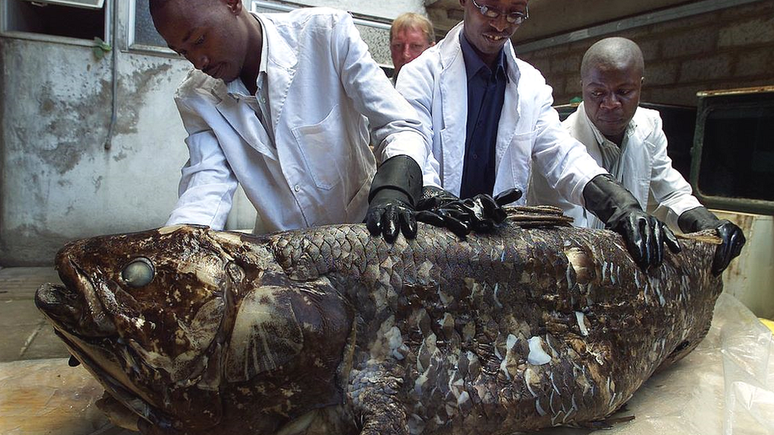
point(514, 164)
point(520, 150)
point(324, 149)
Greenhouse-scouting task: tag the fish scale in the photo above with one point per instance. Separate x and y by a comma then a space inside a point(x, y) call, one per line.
point(343, 333)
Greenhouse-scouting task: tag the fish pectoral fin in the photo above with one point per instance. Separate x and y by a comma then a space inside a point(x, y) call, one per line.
point(374, 397)
point(266, 335)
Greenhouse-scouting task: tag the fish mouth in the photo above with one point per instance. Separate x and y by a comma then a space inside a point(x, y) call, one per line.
point(80, 312)
point(89, 337)
point(125, 395)
point(82, 323)
point(59, 303)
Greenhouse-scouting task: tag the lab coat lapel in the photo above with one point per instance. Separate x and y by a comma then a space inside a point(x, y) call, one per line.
point(509, 115)
point(637, 167)
point(454, 98)
point(243, 120)
point(281, 68)
point(581, 130)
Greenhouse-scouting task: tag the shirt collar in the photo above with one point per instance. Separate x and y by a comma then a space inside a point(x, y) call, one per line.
point(264, 47)
point(236, 87)
point(474, 64)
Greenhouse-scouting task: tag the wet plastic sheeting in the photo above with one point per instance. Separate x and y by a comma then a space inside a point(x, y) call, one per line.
point(725, 386)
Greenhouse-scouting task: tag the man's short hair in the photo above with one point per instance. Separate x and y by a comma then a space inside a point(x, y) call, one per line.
point(154, 5)
point(411, 20)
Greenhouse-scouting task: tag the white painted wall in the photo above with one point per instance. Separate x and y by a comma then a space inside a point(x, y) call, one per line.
point(58, 181)
point(750, 277)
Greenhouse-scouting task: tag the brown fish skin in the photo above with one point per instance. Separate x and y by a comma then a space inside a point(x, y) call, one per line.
point(328, 330)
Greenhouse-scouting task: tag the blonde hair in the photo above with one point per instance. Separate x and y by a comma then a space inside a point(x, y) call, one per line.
point(411, 20)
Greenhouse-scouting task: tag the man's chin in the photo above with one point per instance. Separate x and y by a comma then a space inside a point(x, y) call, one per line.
point(613, 128)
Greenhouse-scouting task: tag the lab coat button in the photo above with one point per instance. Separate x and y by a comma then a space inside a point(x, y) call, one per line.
point(297, 188)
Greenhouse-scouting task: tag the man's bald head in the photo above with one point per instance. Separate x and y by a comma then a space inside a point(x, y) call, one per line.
point(615, 52)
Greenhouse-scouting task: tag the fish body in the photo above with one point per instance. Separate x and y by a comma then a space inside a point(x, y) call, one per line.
point(330, 330)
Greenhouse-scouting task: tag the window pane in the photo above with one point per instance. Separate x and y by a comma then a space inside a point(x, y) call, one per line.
point(144, 31)
point(737, 159)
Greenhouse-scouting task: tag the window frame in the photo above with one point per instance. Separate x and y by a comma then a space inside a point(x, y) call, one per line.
point(709, 102)
point(57, 39)
point(131, 37)
point(72, 3)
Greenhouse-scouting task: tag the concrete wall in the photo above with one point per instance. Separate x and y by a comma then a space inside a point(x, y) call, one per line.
point(724, 49)
point(58, 181)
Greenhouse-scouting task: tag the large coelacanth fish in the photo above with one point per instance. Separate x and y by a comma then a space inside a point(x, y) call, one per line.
point(331, 331)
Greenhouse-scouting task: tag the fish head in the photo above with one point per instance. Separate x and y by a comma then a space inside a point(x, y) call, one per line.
point(144, 313)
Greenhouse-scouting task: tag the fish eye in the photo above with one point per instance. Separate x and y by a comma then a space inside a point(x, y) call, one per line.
point(138, 273)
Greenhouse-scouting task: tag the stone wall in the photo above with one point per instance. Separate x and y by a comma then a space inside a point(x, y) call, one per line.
point(724, 49)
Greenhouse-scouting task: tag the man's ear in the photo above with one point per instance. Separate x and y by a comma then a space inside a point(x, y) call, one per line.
point(235, 6)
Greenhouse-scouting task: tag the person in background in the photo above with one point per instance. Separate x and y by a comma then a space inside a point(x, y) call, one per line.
point(492, 124)
point(278, 103)
point(410, 35)
point(629, 142)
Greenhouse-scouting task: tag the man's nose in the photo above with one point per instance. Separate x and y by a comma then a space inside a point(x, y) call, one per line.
point(200, 61)
point(407, 52)
point(499, 23)
point(611, 101)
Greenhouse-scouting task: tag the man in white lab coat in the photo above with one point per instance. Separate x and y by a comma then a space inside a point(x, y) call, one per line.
point(629, 142)
point(278, 103)
point(492, 124)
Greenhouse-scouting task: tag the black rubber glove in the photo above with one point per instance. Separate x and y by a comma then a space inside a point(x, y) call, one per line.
point(700, 218)
point(619, 210)
point(480, 213)
point(394, 190)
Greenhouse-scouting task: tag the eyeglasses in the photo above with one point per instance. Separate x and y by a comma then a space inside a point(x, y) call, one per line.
point(513, 18)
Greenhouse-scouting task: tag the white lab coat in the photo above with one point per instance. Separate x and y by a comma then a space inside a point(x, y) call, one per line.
point(321, 79)
point(646, 170)
point(435, 83)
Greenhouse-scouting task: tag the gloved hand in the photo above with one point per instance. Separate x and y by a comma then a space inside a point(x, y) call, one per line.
point(700, 218)
point(644, 234)
point(480, 213)
point(396, 185)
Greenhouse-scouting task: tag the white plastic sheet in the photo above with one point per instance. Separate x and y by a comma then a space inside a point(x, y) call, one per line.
point(725, 386)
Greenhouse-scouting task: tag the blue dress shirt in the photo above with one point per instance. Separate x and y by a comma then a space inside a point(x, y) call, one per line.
point(486, 93)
